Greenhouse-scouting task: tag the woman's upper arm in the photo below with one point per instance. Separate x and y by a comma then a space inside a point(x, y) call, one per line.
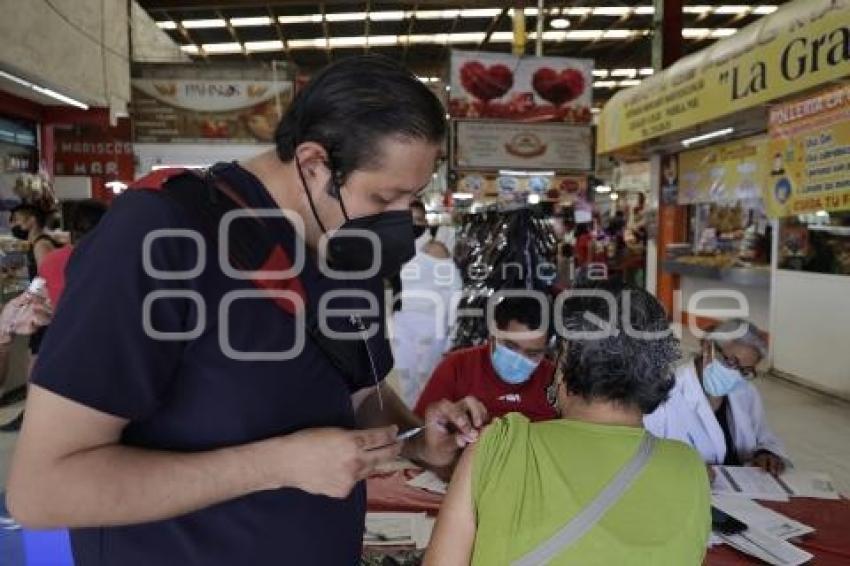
point(454, 533)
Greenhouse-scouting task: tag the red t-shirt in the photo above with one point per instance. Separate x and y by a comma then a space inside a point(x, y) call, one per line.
point(470, 372)
point(52, 268)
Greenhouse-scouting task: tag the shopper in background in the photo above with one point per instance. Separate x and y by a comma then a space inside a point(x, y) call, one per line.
point(715, 408)
point(509, 373)
point(430, 292)
point(192, 450)
point(81, 218)
point(523, 482)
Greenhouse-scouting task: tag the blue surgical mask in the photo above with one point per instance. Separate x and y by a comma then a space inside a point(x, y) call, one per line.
point(512, 367)
point(719, 380)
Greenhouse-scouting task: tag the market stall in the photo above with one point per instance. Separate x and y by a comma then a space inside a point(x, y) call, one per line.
point(730, 203)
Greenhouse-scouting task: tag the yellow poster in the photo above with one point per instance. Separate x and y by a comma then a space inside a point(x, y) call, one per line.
point(726, 172)
point(810, 155)
point(804, 44)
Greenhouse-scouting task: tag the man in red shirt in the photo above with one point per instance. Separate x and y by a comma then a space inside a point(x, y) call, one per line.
point(508, 375)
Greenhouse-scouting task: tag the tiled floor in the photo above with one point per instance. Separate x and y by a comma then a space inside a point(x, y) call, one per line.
point(815, 428)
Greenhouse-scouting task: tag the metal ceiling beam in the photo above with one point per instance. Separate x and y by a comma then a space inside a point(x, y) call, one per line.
point(233, 34)
point(493, 26)
point(326, 30)
point(410, 24)
point(186, 35)
point(231, 4)
point(280, 36)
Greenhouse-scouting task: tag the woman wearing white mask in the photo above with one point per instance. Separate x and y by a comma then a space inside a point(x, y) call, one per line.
point(715, 408)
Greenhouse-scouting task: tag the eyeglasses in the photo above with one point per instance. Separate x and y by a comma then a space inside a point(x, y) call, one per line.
point(747, 372)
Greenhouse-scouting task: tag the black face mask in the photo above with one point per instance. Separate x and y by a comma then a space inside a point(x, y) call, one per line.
point(20, 233)
point(353, 252)
point(419, 229)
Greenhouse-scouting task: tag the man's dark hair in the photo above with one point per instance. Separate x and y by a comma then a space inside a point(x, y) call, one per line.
point(31, 210)
point(351, 106)
point(81, 216)
point(622, 367)
point(524, 310)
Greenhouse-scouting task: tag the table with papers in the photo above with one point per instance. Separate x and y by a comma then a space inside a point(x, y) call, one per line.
point(794, 518)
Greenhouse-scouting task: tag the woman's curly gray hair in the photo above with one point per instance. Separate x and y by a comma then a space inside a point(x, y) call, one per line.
point(632, 363)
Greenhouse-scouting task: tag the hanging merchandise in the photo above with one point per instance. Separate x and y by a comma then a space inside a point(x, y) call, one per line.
point(500, 250)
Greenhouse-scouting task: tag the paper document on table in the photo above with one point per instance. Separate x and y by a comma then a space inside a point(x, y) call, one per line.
point(746, 481)
point(809, 484)
point(398, 529)
point(767, 548)
point(760, 517)
point(429, 482)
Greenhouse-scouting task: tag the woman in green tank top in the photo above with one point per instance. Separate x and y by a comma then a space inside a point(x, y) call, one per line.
point(522, 482)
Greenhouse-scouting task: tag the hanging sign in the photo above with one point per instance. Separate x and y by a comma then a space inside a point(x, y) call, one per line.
point(726, 172)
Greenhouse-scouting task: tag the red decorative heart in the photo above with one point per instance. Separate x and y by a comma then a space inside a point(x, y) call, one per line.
point(558, 88)
point(486, 83)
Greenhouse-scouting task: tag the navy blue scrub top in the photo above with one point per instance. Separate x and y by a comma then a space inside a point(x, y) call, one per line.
point(187, 395)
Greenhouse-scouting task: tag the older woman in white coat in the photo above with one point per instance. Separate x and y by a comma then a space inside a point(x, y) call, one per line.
point(715, 408)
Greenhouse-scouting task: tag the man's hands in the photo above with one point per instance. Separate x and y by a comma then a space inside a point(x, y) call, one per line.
point(23, 315)
point(449, 428)
point(330, 461)
point(769, 462)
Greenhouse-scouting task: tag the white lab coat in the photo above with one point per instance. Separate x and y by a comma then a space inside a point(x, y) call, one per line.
point(423, 327)
point(688, 417)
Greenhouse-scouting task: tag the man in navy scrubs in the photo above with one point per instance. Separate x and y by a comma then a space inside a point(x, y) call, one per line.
point(183, 412)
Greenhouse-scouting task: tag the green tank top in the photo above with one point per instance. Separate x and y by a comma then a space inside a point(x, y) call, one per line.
point(530, 479)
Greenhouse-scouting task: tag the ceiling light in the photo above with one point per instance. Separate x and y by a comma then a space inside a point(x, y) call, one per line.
point(614, 196)
point(222, 47)
point(436, 14)
point(764, 10)
point(463, 196)
point(159, 166)
point(695, 33)
point(603, 189)
point(732, 10)
point(622, 33)
point(389, 16)
point(822, 213)
point(248, 22)
point(698, 10)
point(583, 34)
point(44, 90)
point(595, 110)
point(647, 71)
point(624, 72)
point(600, 73)
point(581, 12)
point(723, 32)
point(167, 24)
point(528, 12)
point(200, 24)
point(347, 17)
point(271, 45)
point(604, 84)
point(533, 199)
point(630, 82)
point(429, 79)
point(612, 11)
point(304, 19)
point(193, 49)
point(709, 136)
point(515, 173)
point(645, 10)
point(481, 13)
point(560, 23)
point(317, 43)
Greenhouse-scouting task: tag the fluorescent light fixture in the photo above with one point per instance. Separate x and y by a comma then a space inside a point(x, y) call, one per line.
point(614, 196)
point(521, 173)
point(193, 49)
point(709, 136)
point(603, 189)
point(436, 14)
point(723, 32)
point(601, 73)
point(356, 41)
point(732, 10)
point(695, 33)
point(167, 24)
point(595, 110)
point(388, 16)
point(615, 11)
point(822, 214)
point(764, 10)
point(630, 82)
point(604, 84)
point(429, 80)
point(201, 24)
point(463, 196)
point(580, 12)
point(533, 199)
point(44, 90)
point(271, 45)
point(698, 10)
point(481, 13)
point(448, 88)
point(304, 19)
point(647, 71)
point(624, 72)
point(346, 17)
point(317, 43)
point(448, 116)
point(622, 33)
point(232, 47)
point(250, 22)
point(583, 34)
point(645, 10)
point(528, 11)
point(560, 23)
